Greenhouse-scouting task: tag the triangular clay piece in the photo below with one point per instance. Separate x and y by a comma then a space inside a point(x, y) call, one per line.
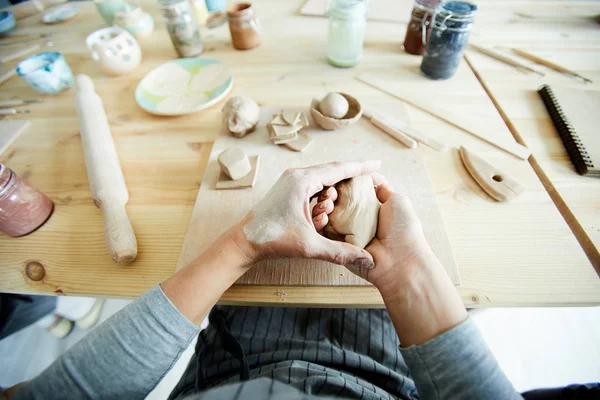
point(291, 117)
point(301, 143)
point(278, 120)
point(495, 182)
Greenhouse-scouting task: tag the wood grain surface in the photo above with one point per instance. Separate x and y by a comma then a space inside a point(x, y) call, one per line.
point(216, 211)
point(566, 34)
point(509, 254)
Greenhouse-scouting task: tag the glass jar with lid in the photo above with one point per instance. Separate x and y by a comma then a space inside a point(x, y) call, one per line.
point(347, 23)
point(182, 26)
point(448, 39)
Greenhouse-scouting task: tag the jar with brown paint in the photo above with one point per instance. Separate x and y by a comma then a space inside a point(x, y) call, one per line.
point(417, 31)
point(23, 208)
point(244, 26)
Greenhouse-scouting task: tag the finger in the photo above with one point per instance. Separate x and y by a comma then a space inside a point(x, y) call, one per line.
point(378, 179)
point(384, 193)
point(341, 253)
point(320, 221)
point(330, 193)
point(329, 174)
point(325, 206)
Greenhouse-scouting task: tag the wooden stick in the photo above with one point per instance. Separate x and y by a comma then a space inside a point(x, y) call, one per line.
point(12, 111)
point(23, 52)
point(513, 148)
point(549, 64)
point(7, 75)
point(17, 103)
point(393, 132)
point(501, 57)
point(408, 130)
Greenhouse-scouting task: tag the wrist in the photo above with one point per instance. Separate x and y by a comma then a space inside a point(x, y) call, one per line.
point(419, 266)
point(236, 239)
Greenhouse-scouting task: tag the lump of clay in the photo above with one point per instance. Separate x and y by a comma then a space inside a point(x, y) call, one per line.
point(234, 163)
point(356, 212)
point(334, 105)
point(240, 115)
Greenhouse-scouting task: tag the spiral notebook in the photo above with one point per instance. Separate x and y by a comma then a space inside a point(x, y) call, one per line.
point(576, 116)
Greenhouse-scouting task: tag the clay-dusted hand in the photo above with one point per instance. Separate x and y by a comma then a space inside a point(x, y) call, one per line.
point(280, 225)
point(399, 240)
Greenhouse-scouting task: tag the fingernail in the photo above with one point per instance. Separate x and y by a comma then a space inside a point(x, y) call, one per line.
point(363, 263)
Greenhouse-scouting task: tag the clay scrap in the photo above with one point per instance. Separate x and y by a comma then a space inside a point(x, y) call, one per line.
point(240, 115)
point(284, 128)
point(355, 216)
point(248, 181)
point(234, 163)
point(237, 169)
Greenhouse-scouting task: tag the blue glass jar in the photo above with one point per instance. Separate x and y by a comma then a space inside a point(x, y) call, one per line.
point(448, 39)
point(347, 23)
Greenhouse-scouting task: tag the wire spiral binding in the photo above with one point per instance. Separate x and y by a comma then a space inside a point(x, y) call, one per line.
point(575, 147)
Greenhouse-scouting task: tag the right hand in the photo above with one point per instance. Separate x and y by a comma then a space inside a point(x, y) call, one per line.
point(399, 245)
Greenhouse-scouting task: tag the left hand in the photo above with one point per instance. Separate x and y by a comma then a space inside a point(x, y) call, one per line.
point(281, 225)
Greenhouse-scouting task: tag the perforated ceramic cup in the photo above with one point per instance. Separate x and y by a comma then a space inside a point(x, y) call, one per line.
point(115, 50)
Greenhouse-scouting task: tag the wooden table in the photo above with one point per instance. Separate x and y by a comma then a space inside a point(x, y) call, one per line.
point(517, 254)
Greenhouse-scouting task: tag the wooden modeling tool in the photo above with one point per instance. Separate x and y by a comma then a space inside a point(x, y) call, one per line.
point(17, 103)
point(7, 75)
point(502, 58)
point(12, 111)
point(107, 183)
point(23, 52)
point(410, 131)
point(390, 130)
point(498, 184)
point(550, 64)
point(471, 128)
point(10, 131)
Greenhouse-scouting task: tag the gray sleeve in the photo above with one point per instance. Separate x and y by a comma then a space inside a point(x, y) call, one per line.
point(125, 357)
point(457, 364)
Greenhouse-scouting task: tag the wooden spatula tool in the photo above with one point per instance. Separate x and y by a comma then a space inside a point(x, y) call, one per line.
point(107, 183)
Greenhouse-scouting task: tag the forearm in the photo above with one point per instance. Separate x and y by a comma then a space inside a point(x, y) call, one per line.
point(144, 339)
point(197, 287)
point(125, 357)
point(446, 354)
point(422, 301)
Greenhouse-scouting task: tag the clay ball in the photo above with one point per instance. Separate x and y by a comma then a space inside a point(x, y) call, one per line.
point(334, 105)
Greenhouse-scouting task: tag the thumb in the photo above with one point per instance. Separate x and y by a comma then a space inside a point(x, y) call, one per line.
point(338, 252)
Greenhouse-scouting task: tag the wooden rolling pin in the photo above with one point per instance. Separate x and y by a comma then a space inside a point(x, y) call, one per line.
point(107, 183)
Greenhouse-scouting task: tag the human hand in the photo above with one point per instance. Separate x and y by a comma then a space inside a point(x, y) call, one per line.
point(399, 243)
point(280, 225)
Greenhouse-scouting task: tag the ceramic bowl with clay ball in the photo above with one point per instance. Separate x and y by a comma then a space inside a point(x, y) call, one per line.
point(183, 86)
point(354, 113)
point(115, 50)
point(46, 72)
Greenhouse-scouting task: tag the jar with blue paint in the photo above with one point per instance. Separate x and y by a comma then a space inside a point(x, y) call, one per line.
point(448, 39)
point(347, 23)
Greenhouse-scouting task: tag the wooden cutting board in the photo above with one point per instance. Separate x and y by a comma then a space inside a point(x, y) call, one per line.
point(216, 210)
point(10, 131)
